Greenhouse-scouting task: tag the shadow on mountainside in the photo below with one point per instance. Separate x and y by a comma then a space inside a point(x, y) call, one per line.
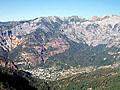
point(13, 80)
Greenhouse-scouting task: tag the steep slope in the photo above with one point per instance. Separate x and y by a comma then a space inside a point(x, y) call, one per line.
point(64, 40)
point(11, 79)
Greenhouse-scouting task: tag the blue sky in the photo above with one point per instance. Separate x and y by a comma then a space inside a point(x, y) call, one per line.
point(30, 9)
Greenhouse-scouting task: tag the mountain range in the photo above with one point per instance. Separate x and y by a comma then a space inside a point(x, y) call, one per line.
point(61, 43)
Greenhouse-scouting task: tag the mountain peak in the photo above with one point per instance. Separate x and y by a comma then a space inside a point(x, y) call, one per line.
point(43, 38)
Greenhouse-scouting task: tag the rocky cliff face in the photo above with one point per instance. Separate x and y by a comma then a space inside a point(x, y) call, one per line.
point(64, 41)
